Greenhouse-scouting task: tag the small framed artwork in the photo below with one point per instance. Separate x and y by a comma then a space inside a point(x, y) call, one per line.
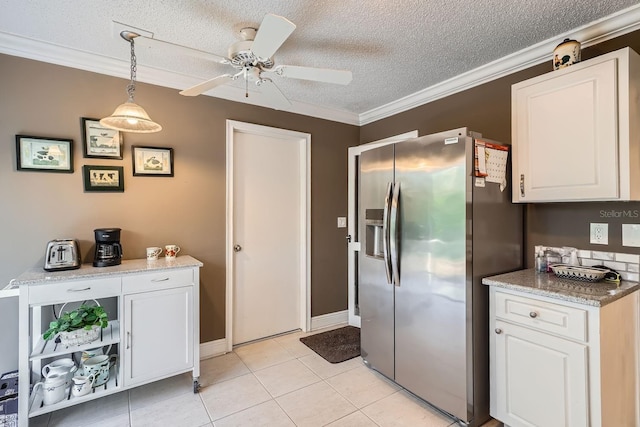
point(152, 161)
point(34, 153)
point(100, 142)
point(103, 178)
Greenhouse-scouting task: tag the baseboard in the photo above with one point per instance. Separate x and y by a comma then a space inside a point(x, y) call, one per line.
point(218, 347)
point(213, 348)
point(329, 319)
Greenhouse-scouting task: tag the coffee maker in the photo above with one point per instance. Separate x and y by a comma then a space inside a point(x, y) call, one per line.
point(108, 249)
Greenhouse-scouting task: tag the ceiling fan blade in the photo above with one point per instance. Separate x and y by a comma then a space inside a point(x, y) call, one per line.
point(273, 95)
point(273, 31)
point(342, 77)
point(207, 85)
point(149, 42)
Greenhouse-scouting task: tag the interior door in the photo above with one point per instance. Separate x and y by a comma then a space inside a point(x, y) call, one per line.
point(268, 235)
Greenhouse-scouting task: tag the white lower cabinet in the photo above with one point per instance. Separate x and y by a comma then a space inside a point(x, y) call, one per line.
point(158, 334)
point(153, 330)
point(560, 364)
point(534, 370)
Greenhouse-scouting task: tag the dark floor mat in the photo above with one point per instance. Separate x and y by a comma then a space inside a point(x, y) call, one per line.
point(337, 345)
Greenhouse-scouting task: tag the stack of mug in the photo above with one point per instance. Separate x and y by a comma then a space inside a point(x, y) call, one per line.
point(170, 252)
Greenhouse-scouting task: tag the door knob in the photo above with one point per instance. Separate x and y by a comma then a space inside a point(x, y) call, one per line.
point(237, 248)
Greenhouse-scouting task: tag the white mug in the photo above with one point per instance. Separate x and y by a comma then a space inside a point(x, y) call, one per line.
point(82, 385)
point(99, 367)
point(153, 253)
point(63, 367)
point(171, 251)
point(91, 352)
point(53, 389)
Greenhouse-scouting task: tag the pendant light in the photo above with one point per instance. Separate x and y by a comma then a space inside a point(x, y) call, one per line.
point(130, 117)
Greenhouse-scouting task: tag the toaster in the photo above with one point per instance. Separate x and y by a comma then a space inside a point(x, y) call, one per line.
point(62, 254)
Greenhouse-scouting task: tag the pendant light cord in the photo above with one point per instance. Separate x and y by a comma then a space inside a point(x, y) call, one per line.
point(131, 87)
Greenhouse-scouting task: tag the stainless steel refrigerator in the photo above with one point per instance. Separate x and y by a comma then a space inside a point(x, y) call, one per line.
point(429, 233)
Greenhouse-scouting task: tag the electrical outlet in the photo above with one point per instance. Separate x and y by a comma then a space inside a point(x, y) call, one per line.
point(599, 234)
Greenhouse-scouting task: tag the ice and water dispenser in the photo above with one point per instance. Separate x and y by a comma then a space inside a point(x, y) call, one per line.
point(375, 236)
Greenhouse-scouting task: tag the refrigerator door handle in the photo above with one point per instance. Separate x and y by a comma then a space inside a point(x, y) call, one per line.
point(385, 232)
point(394, 235)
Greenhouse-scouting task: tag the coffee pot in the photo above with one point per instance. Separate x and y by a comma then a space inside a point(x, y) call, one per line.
point(108, 248)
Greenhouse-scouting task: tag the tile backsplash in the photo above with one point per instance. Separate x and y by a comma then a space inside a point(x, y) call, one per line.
point(628, 265)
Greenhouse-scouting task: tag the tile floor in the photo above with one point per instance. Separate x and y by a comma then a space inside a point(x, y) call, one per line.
point(275, 382)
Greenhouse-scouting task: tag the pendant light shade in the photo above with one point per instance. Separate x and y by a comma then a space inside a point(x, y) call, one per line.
point(130, 117)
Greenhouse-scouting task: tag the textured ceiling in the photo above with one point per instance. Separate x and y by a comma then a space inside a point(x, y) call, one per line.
point(393, 48)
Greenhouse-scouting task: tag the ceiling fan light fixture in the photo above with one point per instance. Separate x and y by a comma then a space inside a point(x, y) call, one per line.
point(129, 116)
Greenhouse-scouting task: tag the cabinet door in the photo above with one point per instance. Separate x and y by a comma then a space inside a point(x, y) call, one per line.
point(565, 138)
point(540, 379)
point(158, 334)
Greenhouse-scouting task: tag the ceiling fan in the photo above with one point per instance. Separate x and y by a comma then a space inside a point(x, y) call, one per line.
point(252, 58)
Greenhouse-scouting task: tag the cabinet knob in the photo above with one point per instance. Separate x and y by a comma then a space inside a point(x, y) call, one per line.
point(237, 248)
point(533, 314)
point(498, 331)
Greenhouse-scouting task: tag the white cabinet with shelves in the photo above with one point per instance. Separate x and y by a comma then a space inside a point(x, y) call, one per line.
point(153, 328)
point(558, 363)
point(576, 132)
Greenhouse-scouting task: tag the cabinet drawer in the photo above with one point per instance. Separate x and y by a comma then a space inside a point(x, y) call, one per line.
point(55, 293)
point(156, 280)
point(546, 316)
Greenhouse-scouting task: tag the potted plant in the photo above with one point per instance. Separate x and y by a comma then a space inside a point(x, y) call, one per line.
point(79, 326)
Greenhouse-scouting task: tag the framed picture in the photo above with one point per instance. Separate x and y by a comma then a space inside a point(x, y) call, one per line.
point(152, 161)
point(103, 178)
point(34, 153)
point(100, 142)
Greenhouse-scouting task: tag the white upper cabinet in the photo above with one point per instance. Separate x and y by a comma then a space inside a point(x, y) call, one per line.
point(576, 132)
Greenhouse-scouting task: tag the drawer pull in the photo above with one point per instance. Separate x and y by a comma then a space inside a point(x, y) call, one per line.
point(498, 331)
point(128, 340)
point(533, 314)
point(160, 280)
point(79, 290)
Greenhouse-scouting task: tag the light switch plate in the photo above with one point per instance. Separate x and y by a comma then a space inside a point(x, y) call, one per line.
point(599, 234)
point(631, 235)
point(342, 222)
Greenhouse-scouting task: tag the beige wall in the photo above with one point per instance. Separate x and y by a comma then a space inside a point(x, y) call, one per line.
point(487, 109)
point(189, 209)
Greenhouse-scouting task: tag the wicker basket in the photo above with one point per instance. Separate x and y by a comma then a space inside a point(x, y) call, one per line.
point(80, 336)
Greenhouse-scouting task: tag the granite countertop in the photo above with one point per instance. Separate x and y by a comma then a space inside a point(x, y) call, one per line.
point(595, 294)
point(37, 275)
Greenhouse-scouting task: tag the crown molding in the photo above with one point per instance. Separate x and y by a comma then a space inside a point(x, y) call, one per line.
point(15, 45)
point(609, 27)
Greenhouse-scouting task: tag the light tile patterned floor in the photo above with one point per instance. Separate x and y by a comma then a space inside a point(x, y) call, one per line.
point(275, 382)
